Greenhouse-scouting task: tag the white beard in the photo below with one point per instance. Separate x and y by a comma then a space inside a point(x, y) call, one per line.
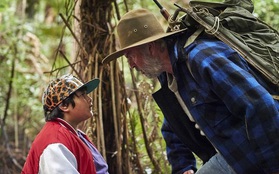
point(152, 67)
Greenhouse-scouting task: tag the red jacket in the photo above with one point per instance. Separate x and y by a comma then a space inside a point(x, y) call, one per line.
point(58, 149)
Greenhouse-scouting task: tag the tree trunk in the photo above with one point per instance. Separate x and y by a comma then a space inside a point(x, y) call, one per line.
point(107, 128)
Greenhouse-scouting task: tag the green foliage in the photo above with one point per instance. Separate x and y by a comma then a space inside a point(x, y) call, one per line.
point(15, 46)
point(267, 11)
point(31, 43)
point(152, 118)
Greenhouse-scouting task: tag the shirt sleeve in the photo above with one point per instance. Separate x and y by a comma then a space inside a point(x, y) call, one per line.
point(57, 158)
point(100, 163)
point(179, 156)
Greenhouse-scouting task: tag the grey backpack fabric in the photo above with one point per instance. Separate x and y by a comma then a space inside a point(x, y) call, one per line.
point(233, 23)
point(261, 40)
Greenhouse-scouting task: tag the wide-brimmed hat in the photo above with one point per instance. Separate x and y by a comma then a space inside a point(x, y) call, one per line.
point(135, 28)
point(247, 4)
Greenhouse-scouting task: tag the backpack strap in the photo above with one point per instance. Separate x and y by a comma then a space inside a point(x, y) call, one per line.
point(193, 37)
point(190, 40)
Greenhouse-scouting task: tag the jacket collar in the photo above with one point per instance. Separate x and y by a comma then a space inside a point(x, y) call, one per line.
point(66, 125)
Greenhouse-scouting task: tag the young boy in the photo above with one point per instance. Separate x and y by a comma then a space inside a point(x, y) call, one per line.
point(60, 147)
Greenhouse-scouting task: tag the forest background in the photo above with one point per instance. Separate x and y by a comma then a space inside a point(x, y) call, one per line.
point(43, 39)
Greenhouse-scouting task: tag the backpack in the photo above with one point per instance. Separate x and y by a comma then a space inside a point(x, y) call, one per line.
point(233, 23)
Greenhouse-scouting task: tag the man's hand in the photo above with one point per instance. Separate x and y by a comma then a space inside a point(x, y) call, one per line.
point(189, 172)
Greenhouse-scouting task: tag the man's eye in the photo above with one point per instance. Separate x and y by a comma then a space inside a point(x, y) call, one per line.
point(128, 56)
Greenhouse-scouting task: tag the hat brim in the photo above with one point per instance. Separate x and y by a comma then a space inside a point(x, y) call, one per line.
point(91, 85)
point(120, 52)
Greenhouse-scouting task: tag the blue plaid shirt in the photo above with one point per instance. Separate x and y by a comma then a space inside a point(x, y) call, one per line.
point(232, 107)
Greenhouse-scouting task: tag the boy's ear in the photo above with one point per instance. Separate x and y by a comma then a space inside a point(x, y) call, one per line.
point(63, 107)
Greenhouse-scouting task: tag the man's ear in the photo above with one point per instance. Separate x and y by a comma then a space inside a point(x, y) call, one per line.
point(152, 48)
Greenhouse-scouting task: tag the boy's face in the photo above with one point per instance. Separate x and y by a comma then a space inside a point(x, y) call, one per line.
point(82, 110)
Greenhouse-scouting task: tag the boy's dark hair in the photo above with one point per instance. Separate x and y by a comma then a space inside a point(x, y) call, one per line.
point(57, 112)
